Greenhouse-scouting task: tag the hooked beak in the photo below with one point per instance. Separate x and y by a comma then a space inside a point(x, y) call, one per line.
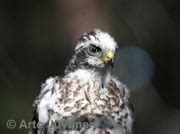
point(109, 58)
point(111, 63)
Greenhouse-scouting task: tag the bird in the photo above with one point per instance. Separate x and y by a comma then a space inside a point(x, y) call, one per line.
point(88, 99)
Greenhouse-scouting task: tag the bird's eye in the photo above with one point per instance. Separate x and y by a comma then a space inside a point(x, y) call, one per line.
point(94, 50)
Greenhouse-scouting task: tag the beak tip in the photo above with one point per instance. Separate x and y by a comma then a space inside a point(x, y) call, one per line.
point(111, 63)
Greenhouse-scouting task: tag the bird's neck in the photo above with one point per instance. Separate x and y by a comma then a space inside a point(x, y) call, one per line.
point(77, 62)
point(90, 75)
point(86, 73)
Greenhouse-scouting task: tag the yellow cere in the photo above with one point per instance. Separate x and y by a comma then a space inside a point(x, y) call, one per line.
point(110, 54)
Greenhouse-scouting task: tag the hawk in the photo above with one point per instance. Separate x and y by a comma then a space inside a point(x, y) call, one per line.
point(87, 94)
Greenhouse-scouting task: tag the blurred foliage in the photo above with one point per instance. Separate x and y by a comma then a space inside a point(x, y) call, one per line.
point(36, 38)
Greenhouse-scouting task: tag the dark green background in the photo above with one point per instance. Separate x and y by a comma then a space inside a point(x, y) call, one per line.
point(32, 48)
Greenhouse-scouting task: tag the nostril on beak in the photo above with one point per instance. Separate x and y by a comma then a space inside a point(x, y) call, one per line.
point(110, 55)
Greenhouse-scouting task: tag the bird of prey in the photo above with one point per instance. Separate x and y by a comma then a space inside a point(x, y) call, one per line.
point(86, 94)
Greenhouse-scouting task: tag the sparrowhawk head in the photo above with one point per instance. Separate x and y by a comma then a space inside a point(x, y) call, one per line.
point(95, 49)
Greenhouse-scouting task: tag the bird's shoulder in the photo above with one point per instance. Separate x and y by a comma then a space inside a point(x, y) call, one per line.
point(125, 96)
point(120, 87)
point(54, 85)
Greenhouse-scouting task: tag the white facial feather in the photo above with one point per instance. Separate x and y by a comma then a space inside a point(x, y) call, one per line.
point(107, 41)
point(101, 39)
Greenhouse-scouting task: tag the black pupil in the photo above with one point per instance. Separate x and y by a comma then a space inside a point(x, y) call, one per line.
point(95, 49)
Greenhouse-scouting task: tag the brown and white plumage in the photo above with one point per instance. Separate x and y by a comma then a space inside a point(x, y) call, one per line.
point(87, 92)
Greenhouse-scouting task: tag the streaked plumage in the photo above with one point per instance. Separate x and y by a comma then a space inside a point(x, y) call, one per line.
point(87, 92)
